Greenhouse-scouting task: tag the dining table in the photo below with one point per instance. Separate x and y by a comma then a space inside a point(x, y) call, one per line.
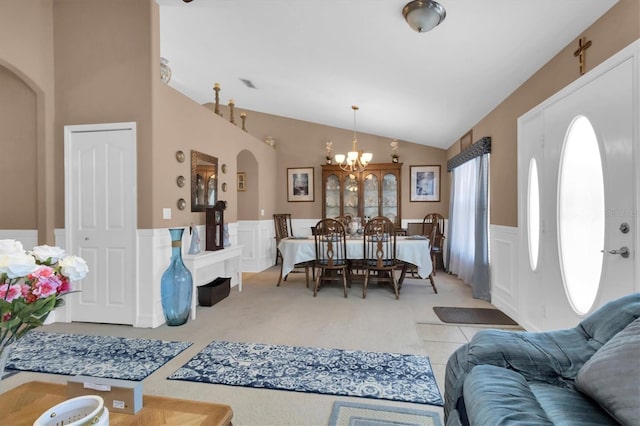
point(411, 250)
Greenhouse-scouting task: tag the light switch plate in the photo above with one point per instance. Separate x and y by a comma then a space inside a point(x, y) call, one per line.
point(166, 213)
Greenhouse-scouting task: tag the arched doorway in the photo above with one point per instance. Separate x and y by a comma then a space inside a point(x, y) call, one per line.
point(247, 186)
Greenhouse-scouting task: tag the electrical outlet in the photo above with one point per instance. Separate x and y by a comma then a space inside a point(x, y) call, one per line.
point(166, 213)
point(261, 212)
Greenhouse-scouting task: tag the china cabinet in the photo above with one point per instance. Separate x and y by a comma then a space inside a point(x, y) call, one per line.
point(372, 192)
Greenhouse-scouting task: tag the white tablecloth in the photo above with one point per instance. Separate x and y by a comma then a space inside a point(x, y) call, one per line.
point(408, 250)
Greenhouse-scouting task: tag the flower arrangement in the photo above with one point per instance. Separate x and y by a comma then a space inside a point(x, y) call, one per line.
point(32, 285)
point(394, 150)
point(329, 147)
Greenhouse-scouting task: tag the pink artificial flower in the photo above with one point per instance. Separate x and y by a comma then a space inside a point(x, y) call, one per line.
point(9, 293)
point(42, 272)
point(45, 282)
point(65, 285)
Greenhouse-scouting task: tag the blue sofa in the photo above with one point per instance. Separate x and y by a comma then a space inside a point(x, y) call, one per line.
point(587, 375)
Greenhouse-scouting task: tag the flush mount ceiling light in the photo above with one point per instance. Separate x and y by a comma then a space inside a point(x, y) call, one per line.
point(423, 15)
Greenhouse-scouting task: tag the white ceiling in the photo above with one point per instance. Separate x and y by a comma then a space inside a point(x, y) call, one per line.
point(312, 59)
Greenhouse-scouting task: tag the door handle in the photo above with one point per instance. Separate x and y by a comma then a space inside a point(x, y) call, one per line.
point(624, 252)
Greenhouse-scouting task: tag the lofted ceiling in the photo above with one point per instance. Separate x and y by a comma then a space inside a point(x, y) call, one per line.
point(311, 60)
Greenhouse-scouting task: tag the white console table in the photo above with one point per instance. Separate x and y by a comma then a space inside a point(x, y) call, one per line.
point(209, 265)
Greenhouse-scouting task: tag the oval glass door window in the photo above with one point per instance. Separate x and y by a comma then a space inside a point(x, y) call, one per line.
point(533, 214)
point(581, 214)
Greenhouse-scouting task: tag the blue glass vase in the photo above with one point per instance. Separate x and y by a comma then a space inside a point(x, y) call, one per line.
point(176, 286)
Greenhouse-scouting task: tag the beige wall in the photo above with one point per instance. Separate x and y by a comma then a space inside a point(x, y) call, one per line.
point(181, 124)
point(18, 121)
point(106, 70)
point(612, 32)
point(106, 57)
point(102, 69)
point(303, 144)
point(26, 49)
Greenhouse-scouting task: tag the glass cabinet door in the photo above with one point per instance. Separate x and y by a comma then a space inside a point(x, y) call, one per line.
point(390, 196)
point(370, 200)
point(376, 191)
point(350, 196)
point(332, 197)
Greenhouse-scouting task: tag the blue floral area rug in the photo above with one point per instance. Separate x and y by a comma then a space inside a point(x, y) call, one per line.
point(328, 371)
point(96, 356)
point(357, 414)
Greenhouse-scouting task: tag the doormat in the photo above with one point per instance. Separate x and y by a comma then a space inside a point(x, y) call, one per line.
point(97, 356)
point(381, 375)
point(472, 316)
point(357, 414)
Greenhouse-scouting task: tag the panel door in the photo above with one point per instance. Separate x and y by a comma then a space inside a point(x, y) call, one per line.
point(100, 179)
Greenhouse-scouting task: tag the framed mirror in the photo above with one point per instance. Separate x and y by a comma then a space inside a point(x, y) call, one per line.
point(204, 181)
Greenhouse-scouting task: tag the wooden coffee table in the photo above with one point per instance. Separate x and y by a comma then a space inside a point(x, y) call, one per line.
point(25, 403)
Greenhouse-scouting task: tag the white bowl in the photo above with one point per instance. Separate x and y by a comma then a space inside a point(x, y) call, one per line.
point(81, 410)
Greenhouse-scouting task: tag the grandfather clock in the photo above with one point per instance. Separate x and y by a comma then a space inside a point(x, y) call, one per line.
point(215, 226)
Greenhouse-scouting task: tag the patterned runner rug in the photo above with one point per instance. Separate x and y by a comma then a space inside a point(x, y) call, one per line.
point(328, 371)
point(356, 414)
point(96, 356)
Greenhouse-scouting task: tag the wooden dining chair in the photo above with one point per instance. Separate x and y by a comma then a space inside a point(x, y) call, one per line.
point(284, 229)
point(433, 227)
point(331, 254)
point(379, 260)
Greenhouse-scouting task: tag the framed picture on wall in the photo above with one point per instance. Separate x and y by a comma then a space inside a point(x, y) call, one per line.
point(300, 184)
point(425, 183)
point(242, 181)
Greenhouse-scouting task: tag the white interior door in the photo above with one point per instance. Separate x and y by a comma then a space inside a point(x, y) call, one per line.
point(606, 99)
point(100, 219)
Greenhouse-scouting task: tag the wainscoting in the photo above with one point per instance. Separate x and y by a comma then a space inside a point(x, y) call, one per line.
point(28, 237)
point(154, 251)
point(258, 253)
point(503, 258)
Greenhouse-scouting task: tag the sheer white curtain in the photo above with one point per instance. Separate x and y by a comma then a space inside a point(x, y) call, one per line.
point(462, 230)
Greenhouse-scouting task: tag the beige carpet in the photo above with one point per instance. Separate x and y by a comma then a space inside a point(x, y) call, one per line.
point(290, 315)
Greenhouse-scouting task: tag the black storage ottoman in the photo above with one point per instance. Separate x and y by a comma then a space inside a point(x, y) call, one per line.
point(213, 292)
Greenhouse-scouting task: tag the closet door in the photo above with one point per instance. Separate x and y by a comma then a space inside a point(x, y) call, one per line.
point(100, 219)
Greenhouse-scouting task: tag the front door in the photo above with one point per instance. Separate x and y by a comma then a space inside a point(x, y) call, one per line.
point(567, 245)
point(100, 219)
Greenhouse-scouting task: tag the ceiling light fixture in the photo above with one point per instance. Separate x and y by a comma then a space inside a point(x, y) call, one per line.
point(354, 161)
point(423, 15)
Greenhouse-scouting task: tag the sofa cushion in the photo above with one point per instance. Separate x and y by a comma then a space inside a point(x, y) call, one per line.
point(498, 396)
point(611, 376)
point(565, 406)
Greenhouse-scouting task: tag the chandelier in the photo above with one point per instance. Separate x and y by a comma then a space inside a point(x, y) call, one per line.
point(354, 161)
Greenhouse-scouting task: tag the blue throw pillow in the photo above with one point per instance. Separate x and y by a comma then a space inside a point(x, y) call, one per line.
point(612, 376)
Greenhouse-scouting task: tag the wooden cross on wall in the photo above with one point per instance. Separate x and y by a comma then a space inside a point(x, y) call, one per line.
point(582, 52)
